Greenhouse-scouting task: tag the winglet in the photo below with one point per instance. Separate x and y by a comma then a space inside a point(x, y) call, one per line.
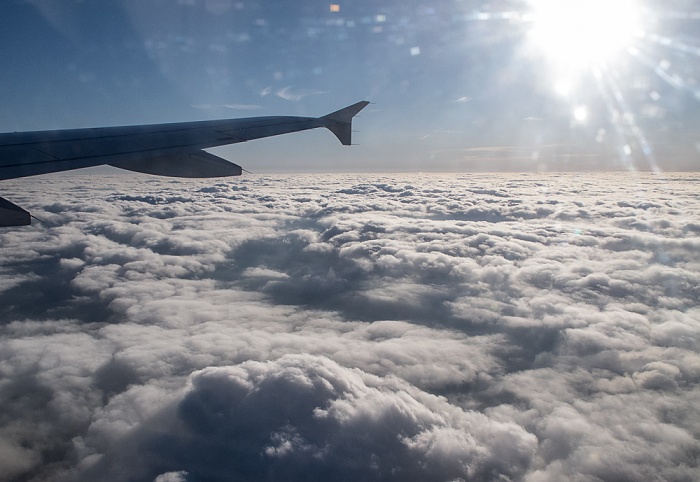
point(340, 121)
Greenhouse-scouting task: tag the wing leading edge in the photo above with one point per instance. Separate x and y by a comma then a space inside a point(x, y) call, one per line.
point(160, 149)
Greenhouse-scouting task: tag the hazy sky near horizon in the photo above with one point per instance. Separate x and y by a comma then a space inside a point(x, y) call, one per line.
point(457, 85)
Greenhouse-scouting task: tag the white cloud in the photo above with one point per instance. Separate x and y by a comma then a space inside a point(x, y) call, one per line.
point(526, 327)
point(304, 415)
point(180, 476)
point(295, 95)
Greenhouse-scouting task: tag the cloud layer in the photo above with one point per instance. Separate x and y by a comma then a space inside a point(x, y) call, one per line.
point(488, 327)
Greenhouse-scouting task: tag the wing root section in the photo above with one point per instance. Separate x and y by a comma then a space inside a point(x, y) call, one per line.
point(13, 215)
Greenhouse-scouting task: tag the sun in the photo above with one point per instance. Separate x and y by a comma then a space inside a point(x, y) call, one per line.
point(577, 34)
point(613, 67)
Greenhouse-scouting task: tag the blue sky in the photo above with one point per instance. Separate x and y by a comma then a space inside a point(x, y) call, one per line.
point(457, 85)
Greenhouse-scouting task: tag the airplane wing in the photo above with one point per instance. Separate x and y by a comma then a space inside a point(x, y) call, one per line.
point(161, 149)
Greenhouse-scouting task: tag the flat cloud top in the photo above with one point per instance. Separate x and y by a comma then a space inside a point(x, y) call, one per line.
point(488, 327)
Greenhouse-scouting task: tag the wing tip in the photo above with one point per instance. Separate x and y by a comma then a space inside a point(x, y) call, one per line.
point(340, 121)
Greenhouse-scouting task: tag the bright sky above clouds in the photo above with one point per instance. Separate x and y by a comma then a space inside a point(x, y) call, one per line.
point(457, 85)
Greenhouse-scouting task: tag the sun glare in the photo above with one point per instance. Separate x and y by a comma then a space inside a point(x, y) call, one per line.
point(581, 33)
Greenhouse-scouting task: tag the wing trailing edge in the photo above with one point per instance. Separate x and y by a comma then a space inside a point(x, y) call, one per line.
point(197, 164)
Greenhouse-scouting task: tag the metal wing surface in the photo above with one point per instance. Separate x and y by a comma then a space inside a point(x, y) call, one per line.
point(161, 149)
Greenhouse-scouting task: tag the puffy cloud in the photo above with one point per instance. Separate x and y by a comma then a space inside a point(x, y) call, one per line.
point(304, 416)
point(490, 327)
